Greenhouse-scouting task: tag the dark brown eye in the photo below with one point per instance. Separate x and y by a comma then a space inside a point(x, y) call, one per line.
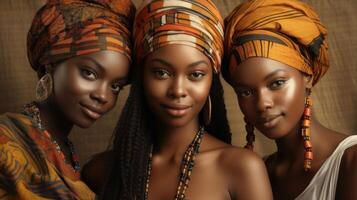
point(162, 74)
point(88, 74)
point(277, 84)
point(116, 87)
point(243, 92)
point(197, 75)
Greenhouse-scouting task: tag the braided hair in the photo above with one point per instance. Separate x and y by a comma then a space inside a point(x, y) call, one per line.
point(133, 138)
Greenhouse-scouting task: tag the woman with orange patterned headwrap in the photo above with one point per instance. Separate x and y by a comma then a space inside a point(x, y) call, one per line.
point(276, 51)
point(81, 51)
point(173, 139)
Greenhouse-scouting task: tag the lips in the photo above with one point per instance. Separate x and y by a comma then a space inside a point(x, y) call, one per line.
point(269, 121)
point(176, 110)
point(91, 112)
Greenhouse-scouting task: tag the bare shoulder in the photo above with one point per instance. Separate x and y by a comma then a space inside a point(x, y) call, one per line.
point(95, 171)
point(247, 175)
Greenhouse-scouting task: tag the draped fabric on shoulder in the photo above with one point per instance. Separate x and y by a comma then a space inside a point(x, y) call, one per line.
point(287, 31)
point(62, 29)
point(196, 23)
point(31, 166)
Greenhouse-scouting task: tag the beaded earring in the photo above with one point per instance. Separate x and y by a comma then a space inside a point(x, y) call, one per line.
point(305, 131)
point(250, 137)
point(44, 86)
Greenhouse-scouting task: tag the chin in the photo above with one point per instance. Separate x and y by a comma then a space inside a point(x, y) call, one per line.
point(84, 123)
point(273, 134)
point(178, 122)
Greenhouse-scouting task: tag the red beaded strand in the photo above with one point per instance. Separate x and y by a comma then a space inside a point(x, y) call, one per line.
point(305, 132)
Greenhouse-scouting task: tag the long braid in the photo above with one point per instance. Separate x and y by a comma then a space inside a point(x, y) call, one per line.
point(133, 139)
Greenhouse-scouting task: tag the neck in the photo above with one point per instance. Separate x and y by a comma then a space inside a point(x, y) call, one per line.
point(54, 120)
point(291, 147)
point(173, 141)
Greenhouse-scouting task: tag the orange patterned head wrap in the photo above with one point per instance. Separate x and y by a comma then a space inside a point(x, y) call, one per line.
point(196, 23)
point(62, 29)
point(288, 31)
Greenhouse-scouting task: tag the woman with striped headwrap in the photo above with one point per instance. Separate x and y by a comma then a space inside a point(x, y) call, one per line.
point(173, 139)
point(276, 51)
point(81, 52)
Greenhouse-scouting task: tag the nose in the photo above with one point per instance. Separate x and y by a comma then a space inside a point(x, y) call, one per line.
point(264, 100)
point(177, 88)
point(101, 93)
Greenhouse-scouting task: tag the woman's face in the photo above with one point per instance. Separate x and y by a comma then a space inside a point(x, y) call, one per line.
point(177, 80)
point(86, 87)
point(270, 94)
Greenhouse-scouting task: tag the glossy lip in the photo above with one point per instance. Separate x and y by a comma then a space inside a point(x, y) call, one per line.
point(91, 112)
point(176, 110)
point(269, 121)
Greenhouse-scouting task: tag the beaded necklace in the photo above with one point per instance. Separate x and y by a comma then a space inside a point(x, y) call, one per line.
point(187, 164)
point(33, 112)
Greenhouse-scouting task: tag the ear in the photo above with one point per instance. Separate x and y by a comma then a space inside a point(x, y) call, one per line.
point(308, 79)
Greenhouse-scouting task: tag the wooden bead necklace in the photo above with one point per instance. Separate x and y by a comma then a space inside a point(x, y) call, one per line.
point(187, 164)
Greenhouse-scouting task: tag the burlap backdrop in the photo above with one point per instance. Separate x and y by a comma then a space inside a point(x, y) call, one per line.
point(335, 97)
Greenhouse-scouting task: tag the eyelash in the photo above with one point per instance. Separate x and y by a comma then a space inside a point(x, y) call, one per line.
point(160, 73)
point(120, 87)
point(86, 73)
point(276, 84)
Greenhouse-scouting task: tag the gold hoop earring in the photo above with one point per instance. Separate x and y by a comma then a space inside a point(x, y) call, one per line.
point(207, 113)
point(44, 87)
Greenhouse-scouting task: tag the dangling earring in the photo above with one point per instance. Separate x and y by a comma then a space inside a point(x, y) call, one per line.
point(207, 112)
point(305, 131)
point(44, 87)
point(250, 138)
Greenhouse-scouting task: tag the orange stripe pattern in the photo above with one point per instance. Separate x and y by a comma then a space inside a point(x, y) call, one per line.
point(196, 23)
point(62, 29)
point(288, 31)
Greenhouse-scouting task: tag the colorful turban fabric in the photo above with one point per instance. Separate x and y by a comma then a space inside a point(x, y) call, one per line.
point(62, 29)
point(196, 23)
point(287, 31)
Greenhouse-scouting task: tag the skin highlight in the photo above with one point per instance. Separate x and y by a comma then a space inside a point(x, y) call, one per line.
point(84, 89)
point(176, 83)
point(273, 101)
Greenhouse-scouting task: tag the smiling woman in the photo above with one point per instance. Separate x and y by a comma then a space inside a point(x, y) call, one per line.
point(81, 52)
point(276, 51)
point(173, 139)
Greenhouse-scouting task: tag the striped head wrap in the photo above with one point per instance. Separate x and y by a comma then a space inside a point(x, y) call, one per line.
point(62, 29)
point(196, 23)
point(288, 31)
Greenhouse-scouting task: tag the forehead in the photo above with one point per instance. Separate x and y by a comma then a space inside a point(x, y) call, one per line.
point(178, 55)
point(257, 69)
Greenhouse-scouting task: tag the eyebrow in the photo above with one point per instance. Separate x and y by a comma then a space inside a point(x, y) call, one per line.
point(265, 78)
point(96, 63)
point(101, 68)
point(273, 73)
point(171, 65)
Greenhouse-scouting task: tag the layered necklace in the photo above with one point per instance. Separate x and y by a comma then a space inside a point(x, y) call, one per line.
point(187, 164)
point(33, 112)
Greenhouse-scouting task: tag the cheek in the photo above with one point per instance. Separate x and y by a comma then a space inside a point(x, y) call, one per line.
point(68, 84)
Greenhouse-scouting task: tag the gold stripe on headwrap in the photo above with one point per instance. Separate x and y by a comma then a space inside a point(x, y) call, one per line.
point(62, 29)
point(288, 31)
point(196, 23)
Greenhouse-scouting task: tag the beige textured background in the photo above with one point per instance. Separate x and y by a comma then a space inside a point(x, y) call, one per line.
point(335, 97)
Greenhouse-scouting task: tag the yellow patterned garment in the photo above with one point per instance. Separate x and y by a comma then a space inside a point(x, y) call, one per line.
point(31, 167)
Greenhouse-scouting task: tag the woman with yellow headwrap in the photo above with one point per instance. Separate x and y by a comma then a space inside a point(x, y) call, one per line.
point(173, 138)
point(81, 51)
point(276, 51)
